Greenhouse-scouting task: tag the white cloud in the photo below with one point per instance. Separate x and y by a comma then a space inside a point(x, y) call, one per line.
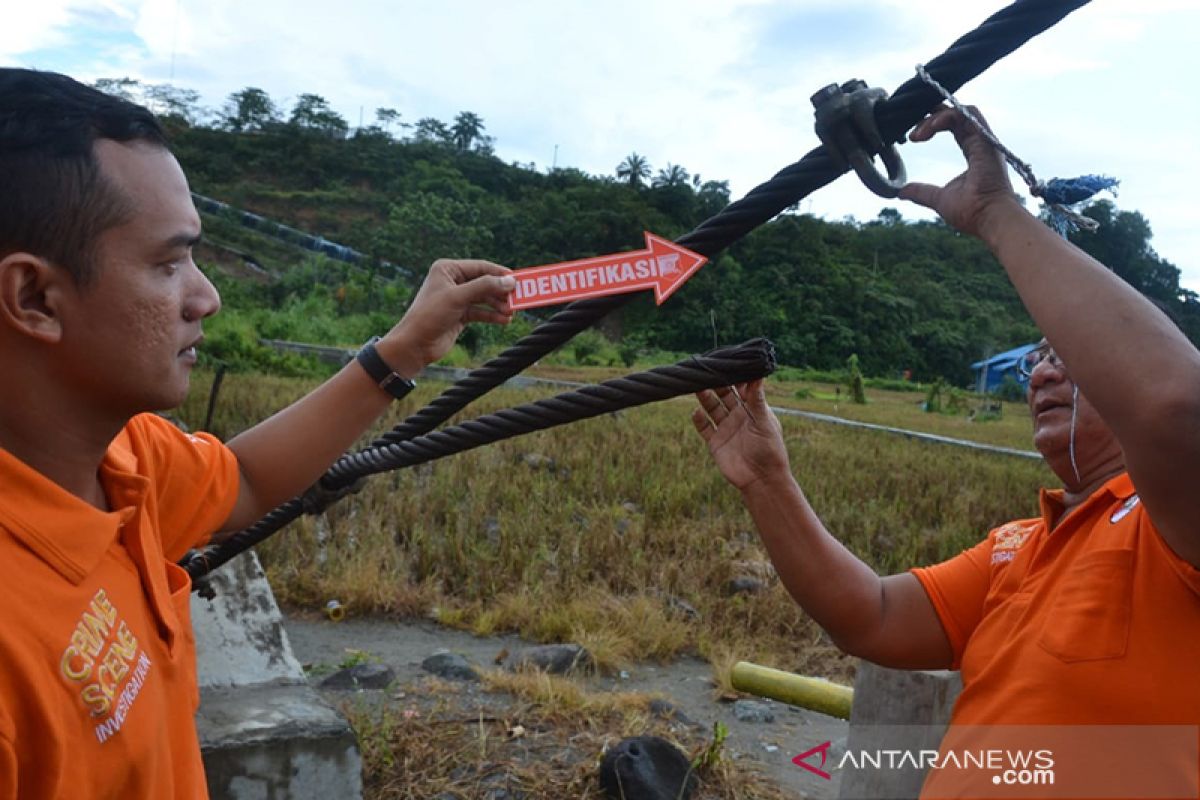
point(32, 26)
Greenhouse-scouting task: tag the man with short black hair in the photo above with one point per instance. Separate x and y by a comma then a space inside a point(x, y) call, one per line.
point(101, 312)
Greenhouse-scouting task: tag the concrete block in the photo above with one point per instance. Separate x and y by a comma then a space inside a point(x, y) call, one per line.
point(240, 638)
point(277, 742)
point(264, 733)
point(885, 696)
point(896, 708)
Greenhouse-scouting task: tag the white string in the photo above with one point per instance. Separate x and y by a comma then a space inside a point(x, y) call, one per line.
point(1036, 187)
point(1074, 415)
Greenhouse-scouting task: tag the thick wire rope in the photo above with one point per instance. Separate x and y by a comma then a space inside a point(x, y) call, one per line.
point(968, 57)
point(720, 367)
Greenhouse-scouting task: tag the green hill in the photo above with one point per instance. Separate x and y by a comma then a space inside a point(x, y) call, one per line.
point(903, 296)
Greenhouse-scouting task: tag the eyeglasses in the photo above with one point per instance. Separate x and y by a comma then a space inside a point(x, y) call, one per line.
point(1031, 359)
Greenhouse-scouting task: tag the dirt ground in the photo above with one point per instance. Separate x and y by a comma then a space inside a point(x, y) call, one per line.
point(322, 645)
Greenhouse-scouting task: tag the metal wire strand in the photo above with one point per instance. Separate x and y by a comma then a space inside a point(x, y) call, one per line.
point(720, 367)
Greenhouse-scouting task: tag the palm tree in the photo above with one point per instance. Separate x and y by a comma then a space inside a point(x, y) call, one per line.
point(673, 175)
point(468, 126)
point(634, 169)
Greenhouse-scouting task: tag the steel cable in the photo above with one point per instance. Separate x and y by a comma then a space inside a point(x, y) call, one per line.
point(720, 367)
point(968, 57)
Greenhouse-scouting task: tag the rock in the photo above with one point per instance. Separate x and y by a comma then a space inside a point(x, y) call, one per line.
point(763, 570)
point(451, 666)
point(682, 607)
point(491, 529)
point(753, 711)
point(744, 584)
point(360, 676)
point(646, 768)
point(665, 709)
point(630, 507)
point(498, 786)
point(557, 659)
point(538, 461)
point(462, 772)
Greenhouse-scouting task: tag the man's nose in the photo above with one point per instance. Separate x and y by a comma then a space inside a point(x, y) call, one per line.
point(203, 300)
point(1045, 372)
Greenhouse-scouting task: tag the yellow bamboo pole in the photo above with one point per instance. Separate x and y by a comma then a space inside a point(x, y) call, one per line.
point(817, 694)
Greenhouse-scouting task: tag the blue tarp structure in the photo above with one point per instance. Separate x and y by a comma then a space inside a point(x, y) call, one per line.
point(991, 372)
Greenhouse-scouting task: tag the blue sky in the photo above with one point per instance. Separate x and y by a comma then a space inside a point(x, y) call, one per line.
point(718, 86)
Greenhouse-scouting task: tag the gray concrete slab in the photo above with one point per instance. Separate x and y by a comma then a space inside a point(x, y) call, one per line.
point(264, 733)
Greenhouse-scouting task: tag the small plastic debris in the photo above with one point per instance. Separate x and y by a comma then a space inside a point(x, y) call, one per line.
point(335, 611)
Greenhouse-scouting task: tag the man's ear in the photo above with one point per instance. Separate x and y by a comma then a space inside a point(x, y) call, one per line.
point(32, 291)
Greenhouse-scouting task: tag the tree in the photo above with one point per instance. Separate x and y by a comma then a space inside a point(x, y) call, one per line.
point(251, 109)
point(312, 112)
point(427, 226)
point(468, 127)
point(124, 88)
point(388, 117)
point(889, 216)
point(673, 175)
point(711, 198)
point(634, 169)
point(1122, 243)
point(429, 129)
point(166, 100)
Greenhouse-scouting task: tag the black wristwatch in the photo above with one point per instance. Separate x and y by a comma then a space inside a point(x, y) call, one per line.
point(369, 359)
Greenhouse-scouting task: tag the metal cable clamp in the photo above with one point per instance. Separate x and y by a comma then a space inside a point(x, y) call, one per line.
point(846, 126)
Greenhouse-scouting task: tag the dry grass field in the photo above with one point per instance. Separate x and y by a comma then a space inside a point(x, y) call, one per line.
point(619, 534)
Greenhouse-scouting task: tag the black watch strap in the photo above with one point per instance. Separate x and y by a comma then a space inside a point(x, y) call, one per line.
point(383, 375)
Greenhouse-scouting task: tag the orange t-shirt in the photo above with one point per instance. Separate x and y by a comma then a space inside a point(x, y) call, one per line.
point(1058, 627)
point(97, 658)
point(1096, 622)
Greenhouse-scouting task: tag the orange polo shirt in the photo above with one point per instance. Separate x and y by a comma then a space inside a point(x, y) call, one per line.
point(1096, 622)
point(97, 657)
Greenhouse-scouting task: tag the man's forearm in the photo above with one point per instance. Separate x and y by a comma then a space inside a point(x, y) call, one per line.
point(286, 453)
point(1100, 326)
point(841, 593)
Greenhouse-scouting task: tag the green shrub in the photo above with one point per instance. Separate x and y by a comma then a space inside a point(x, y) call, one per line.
point(457, 357)
point(933, 397)
point(1010, 390)
point(854, 381)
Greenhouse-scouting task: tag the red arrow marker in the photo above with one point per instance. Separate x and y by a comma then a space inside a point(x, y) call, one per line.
point(662, 266)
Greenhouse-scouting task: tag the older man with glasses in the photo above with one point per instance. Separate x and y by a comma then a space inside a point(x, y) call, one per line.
point(1086, 615)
